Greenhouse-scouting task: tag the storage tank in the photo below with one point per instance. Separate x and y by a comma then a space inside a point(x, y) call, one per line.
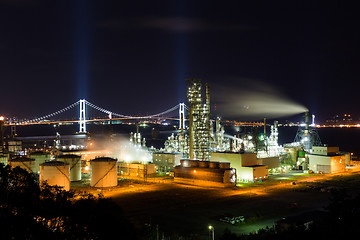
point(75, 165)
point(24, 162)
point(204, 164)
point(185, 162)
point(40, 157)
point(224, 165)
point(55, 173)
point(103, 172)
point(4, 159)
point(213, 164)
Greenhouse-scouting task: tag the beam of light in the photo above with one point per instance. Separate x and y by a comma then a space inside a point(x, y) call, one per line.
point(181, 49)
point(82, 35)
point(253, 101)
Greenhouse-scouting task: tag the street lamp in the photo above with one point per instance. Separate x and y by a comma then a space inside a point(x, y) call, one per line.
point(212, 232)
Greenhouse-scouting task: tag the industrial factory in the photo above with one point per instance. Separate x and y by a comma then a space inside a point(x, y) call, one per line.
point(200, 152)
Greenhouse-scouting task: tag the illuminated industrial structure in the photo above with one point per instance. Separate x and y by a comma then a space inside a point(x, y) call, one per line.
point(199, 121)
point(135, 138)
point(270, 143)
point(307, 137)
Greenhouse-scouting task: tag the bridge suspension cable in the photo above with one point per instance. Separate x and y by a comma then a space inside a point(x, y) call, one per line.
point(38, 119)
point(127, 116)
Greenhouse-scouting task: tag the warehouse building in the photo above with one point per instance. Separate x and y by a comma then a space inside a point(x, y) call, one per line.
point(326, 159)
point(136, 170)
point(248, 167)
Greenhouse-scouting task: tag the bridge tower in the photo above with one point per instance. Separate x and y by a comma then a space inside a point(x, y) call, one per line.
point(82, 119)
point(182, 116)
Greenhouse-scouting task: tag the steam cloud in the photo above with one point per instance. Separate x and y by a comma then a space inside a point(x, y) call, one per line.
point(253, 101)
point(121, 149)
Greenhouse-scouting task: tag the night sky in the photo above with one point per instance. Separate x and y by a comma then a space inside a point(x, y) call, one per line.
point(132, 57)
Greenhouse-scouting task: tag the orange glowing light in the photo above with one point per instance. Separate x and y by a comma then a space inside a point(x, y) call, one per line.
point(2, 118)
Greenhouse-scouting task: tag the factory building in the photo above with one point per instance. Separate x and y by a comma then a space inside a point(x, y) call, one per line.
point(326, 159)
point(165, 162)
point(248, 167)
point(136, 170)
point(253, 173)
point(205, 173)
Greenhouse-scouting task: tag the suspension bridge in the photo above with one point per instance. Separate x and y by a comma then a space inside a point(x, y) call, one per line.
point(82, 104)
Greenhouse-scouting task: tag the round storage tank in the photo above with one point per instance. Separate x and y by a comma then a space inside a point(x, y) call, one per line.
point(40, 157)
point(24, 162)
point(75, 165)
point(103, 172)
point(224, 165)
point(213, 164)
point(194, 163)
point(204, 164)
point(55, 173)
point(185, 162)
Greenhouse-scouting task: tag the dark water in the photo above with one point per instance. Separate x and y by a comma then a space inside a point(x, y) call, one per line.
point(348, 139)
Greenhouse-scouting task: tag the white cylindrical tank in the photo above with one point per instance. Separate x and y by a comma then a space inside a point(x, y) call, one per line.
point(24, 162)
point(40, 157)
point(103, 172)
point(75, 165)
point(55, 173)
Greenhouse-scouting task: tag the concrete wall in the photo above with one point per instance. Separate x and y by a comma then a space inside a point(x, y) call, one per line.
point(252, 173)
point(202, 183)
point(317, 161)
point(260, 172)
point(236, 160)
point(245, 174)
point(347, 158)
point(271, 162)
point(337, 164)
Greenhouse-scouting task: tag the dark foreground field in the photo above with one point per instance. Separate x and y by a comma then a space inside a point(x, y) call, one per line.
point(188, 210)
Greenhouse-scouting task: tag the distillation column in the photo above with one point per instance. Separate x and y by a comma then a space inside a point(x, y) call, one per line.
point(199, 121)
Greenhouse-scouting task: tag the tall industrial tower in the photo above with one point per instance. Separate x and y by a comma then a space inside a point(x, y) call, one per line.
point(199, 120)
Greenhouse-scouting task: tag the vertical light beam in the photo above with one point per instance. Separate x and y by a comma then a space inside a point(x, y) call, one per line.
point(82, 13)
